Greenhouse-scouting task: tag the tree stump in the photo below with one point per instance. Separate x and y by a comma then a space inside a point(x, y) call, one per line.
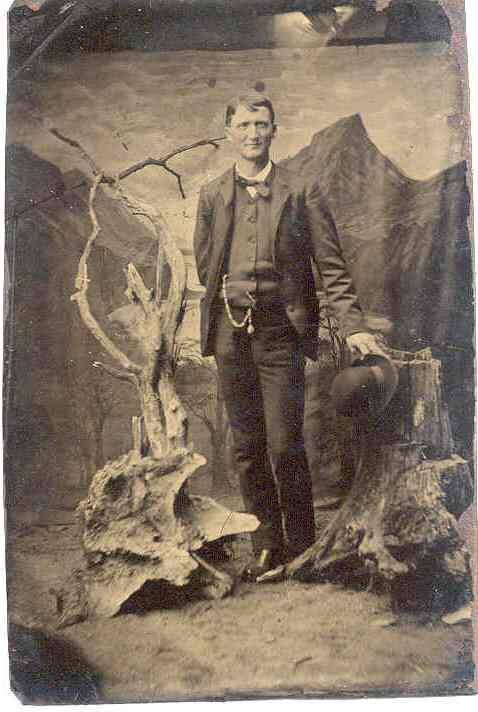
point(399, 521)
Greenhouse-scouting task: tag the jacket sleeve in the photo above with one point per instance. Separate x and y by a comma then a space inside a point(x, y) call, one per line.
point(202, 236)
point(329, 259)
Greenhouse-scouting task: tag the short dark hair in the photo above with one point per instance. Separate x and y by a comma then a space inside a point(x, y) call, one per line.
point(252, 101)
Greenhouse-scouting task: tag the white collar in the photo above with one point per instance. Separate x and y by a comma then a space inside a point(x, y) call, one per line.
point(260, 177)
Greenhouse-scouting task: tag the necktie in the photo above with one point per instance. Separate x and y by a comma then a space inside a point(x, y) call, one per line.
point(261, 188)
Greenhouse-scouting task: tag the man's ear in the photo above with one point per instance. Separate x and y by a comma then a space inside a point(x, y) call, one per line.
point(274, 131)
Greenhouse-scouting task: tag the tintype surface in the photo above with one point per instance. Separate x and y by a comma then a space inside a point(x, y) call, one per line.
point(145, 450)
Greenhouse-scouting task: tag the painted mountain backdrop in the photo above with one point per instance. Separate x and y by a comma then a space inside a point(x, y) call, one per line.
point(406, 241)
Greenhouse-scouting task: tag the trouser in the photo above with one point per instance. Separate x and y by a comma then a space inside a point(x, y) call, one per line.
point(262, 381)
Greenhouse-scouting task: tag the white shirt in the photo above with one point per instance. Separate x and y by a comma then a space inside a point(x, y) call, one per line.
point(260, 177)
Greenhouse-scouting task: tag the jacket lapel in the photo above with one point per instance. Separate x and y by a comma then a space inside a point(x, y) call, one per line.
point(280, 194)
point(226, 188)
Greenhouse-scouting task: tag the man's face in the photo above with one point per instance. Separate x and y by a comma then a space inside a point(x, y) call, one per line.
point(251, 132)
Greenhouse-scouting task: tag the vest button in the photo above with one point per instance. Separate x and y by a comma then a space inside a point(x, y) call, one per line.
point(252, 218)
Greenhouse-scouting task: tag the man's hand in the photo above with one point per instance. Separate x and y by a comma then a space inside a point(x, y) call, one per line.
point(362, 344)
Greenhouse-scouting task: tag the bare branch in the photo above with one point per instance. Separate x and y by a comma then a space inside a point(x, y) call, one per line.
point(137, 290)
point(170, 315)
point(115, 372)
point(160, 264)
point(195, 408)
point(77, 145)
point(81, 281)
point(163, 161)
point(160, 162)
point(172, 308)
point(81, 284)
point(178, 178)
point(205, 420)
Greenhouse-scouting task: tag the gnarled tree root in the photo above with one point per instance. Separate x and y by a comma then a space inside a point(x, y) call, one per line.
point(142, 527)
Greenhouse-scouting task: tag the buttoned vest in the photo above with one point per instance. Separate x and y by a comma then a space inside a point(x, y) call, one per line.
point(250, 261)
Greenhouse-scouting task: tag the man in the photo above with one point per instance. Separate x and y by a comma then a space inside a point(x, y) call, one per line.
point(256, 232)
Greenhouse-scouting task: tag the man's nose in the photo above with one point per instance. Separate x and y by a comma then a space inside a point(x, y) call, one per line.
point(252, 131)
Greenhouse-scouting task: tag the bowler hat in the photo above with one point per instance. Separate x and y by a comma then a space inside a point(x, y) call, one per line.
point(364, 389)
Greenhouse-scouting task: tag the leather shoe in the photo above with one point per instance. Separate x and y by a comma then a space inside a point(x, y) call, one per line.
point(265, 561)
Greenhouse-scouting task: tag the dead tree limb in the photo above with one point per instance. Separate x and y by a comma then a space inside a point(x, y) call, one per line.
point(156, 327)
point(77, 145)
point(140, 524)
point(165, 417)
point(114, 372)
point(161, 162)
point(81, 295)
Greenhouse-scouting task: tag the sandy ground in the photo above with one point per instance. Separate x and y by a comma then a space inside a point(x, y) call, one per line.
point(271, 639)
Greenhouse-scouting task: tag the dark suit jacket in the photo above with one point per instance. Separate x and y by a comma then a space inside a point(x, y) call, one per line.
point(303, 229)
